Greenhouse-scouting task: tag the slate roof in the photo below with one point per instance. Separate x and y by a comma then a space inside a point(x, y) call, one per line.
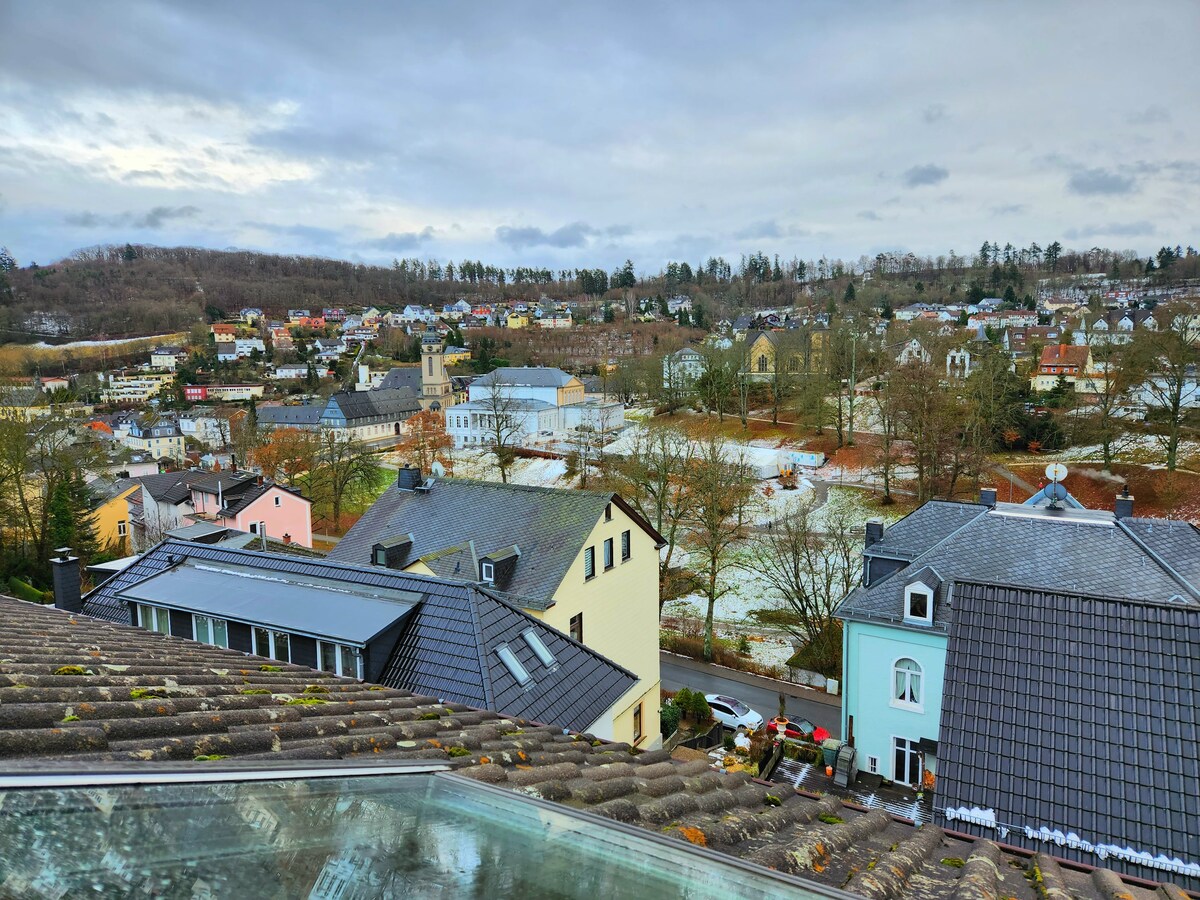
point(298, 416)
point(377, 403)
point(1097, 700)
point(525, 376)
point(202, 700)
point(548, 524)
point(448, 644)
point(1085, 551)
point(402, 377)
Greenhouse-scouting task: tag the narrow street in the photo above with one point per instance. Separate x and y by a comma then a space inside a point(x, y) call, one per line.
point(759, 699)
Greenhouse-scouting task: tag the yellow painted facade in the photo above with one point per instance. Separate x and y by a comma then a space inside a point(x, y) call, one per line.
point(571, 392)
point(620, 618)
point(809, 348)
point(112, 518)
point(516, 320)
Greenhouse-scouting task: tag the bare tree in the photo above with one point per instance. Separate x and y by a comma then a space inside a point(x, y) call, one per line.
point(810, 559)
point(1111, 386)
point(1170, 356)
point(503, 422)
point(343, 466)
point(720, 518)
point(654, 478)
point(885, 457)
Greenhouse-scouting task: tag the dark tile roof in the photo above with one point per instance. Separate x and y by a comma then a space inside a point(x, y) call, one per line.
point(298, 416)
point(403, 378)
point(1077, 714)
point(1086, 551)
point(378, 403)
point(448, 643)
point(144, 697)
point(548, 524)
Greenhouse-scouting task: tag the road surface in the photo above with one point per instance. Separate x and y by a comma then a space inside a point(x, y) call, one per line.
point(761, 700)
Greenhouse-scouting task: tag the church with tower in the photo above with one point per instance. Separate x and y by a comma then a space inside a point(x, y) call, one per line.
point(437, 391)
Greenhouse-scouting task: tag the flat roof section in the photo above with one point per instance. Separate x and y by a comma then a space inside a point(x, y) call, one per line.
point(336, 609)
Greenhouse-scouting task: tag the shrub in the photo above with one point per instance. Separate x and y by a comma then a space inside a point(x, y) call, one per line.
point(683, 700)
point(25, 591)
point(743, 646)
point(668, 719)
point(728, 742)
point(699, 707)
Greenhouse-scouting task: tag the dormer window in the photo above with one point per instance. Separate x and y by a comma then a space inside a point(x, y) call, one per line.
point(487, 572)
point(918, 603)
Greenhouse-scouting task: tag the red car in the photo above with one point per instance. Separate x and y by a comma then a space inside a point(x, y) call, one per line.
point(800, 729)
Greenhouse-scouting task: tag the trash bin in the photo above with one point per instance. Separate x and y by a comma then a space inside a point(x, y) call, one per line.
point(829, 749)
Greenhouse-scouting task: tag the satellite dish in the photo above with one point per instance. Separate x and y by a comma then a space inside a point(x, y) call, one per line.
point(438, 469)
point(1056, 492)
point(1056, 471)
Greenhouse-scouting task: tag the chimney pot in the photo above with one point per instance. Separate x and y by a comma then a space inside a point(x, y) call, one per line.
point(987, 496)
point(1123, 508)
point(874, 532)
point(68, 592)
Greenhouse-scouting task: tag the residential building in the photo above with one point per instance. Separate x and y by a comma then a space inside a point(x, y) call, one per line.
point(682, 368)
point(295, 315)
point(395, 628)
point(166, 358)
point(333, 314)
point(370, 416)
point(223, 333)
point(250, 315)
point(803, 348)
point(1068, 363)
point(516, 320)
point(239, 500)
point(583, 562)
point(974, 651)
point(240, 348)
point(554, 320)
point(329, 349)
point(288, 371)
point(160, 437)
point(231, 392)
point(336, 830)
point(134, 385)
point(1019, 342)
point(452, 356)
point(1114, 326)
point(537, 404)
point(910, 351)
point(110, 514)
point(208, 427)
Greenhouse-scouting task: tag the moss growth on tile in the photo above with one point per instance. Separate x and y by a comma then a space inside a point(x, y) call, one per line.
point(71, 718)
point(254, 691)
point(953, 862)
point(70, 670)
point(305, 701)
point(831, 819)
point(428, 717)
point(268, 668)
point(316, 689)
point(459, 751)
point(150, 693)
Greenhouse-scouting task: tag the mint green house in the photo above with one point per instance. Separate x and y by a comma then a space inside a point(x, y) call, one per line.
point(895, 628)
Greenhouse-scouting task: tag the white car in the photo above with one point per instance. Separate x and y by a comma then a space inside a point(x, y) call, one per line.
point(733, 713)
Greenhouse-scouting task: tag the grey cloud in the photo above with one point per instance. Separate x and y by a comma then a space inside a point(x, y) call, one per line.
point(160, 215)
point(1090, 182)
point(919, 176)
point(401, 242)
point(151, 220)
point(934, 112)
point(1151, 115)
point(1009, 209)
point(1120, 229)
point(575, 234)
point(309, 233)
point(618, 231)
point(869, 215)
point(770, 229)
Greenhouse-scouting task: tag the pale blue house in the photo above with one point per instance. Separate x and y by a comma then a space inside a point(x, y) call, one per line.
point(897, 623)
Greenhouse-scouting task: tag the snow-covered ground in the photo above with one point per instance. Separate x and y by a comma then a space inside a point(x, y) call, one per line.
point(1144, 449)
point(74, 345)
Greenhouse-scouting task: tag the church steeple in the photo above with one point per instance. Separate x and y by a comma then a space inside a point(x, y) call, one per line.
point(435, 383)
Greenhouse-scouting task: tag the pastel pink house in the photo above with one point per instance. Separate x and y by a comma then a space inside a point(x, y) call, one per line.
point(248, 503)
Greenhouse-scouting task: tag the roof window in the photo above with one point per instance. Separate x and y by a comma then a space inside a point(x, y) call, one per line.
point(513, 664)
point(540, 650)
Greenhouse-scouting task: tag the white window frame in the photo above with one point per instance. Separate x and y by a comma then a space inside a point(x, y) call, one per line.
point(609, 556)
point(340, 651)
point(153, 613)
point(899, 777)
point(212, 629)
point(271, 633)
point(487, 572)
point(626, 545)
point(122, 528)
point(873, 765)
point(918, 587)
point(278, 500)
point(919, 673)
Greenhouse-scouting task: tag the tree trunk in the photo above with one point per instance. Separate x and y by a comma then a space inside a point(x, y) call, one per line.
point(708, 622)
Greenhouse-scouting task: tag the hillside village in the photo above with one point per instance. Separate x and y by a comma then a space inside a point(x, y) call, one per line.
point(817, 496)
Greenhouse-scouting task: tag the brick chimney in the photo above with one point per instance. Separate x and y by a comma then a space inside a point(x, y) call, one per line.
point(68, 591)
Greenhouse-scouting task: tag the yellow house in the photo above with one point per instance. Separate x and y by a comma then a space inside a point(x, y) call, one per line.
point(452, 356)
point(803, 349)
point(583, 562)
point(517, 320)
point(112, 514)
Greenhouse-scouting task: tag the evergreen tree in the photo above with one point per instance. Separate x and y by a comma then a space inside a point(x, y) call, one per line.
point(850, 294)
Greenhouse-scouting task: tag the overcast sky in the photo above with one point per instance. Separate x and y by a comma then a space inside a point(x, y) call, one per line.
point(570, 134)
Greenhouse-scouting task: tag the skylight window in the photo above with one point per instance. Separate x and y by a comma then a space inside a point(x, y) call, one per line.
point(513, 664)
point(540, 650)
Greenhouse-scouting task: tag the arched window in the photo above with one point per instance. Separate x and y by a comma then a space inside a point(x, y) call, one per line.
point(906, 683)
point(762, 362)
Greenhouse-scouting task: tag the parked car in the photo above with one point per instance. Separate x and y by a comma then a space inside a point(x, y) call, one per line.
point(795, 728)
point(733, 713)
